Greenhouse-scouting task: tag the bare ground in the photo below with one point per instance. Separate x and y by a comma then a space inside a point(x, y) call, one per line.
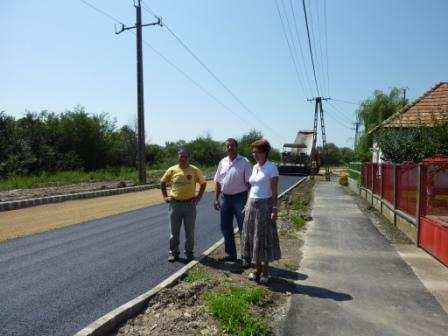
point(27, 221)
point(20, 194)
point(180, 310)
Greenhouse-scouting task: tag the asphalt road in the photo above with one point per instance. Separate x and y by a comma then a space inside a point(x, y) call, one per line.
point(354, 281)
point(57, 282)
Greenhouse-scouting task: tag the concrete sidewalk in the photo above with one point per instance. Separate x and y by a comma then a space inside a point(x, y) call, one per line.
point(357, 283)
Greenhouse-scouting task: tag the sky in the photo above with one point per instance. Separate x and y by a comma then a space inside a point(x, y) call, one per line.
point(55, 55)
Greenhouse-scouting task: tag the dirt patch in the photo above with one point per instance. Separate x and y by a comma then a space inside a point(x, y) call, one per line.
point(183, 309)
point(20, 194)
point(27, 221)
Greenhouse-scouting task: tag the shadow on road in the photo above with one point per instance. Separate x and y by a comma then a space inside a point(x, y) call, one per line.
point(286, 274)
point(224, 266)
point(281, 285)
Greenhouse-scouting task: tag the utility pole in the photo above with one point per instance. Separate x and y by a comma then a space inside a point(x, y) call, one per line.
point(140, 92)
point(404, 92)
point(357, 123)
point(318, 111)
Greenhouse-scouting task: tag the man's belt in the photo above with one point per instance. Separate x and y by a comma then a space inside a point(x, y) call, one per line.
point(233, 195)
point(183, 201)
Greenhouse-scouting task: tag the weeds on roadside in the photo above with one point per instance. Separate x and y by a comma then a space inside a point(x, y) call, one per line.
point(300, 205)
point(298, 222)
point(197, 276)
point(232, 308)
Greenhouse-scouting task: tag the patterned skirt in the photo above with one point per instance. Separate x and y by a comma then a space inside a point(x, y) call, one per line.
point(260, 237)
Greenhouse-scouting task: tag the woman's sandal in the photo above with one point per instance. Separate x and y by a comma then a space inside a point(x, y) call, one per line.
point(253, 276)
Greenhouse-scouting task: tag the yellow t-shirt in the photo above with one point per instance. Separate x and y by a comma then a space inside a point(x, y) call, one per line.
point(183, 181)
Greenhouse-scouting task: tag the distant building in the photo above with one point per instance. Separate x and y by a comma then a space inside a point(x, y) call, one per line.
point(430, 108)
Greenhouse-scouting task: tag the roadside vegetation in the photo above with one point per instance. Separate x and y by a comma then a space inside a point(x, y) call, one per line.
point(232, 308)
point(217, 298)
point(47, 149)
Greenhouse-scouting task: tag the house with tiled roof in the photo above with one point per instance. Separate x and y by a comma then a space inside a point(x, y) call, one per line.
point(429, 109)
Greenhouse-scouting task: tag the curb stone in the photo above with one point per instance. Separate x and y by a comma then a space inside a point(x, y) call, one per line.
point(30, 202)
point(109, 322)
point(25, 203)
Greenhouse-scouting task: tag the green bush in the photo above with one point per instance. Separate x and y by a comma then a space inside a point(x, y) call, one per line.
point(413, 144)
point(232, 308)
point(298, 222)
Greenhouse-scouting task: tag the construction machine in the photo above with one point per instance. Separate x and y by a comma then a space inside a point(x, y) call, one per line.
point(301, 156)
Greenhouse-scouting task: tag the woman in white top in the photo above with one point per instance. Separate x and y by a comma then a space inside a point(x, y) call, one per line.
point(260, 238)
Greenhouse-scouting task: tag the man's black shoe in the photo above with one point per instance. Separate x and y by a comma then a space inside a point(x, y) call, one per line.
point(228, 259)
point(190, 257)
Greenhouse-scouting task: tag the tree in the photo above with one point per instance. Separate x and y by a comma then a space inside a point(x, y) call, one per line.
point(331, 155)
point(246, 140)
point(372, 112)
point(413, 144)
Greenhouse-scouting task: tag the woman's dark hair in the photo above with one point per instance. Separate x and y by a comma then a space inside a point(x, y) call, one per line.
point(261, 145)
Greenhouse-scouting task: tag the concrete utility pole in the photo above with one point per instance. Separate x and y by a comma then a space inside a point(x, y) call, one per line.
point(140, 92)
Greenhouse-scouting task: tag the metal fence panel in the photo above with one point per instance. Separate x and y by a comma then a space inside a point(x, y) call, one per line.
point(387, 178)
point(407, 180)
point(376, 178)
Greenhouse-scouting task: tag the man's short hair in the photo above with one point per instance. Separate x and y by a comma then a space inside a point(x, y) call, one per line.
point(232, 140)
point(184, 151)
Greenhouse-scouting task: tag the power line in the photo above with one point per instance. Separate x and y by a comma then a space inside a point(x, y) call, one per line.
point(326, 45)
point(207, 68)
point(113, 18)
point(288, 43)
point(198, 85)
point(310, 48)
point(300, 45)
point(188, 77)
point(294, 48)
point(345, 101)
point(338, 121)
point(341, 115)
point(319, 40)
point(347, 115)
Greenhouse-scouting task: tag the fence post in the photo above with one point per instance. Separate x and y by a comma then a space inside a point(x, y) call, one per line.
point(395, 192)
point(381, 172)
point(419, 198)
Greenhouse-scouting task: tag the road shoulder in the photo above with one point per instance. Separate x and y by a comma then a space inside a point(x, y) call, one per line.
point(28, 221)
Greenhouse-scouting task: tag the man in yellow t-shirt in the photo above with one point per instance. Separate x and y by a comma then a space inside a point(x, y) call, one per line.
point(182, 200)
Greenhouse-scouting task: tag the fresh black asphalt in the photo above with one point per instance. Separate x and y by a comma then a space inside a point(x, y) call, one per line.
point(57, 282)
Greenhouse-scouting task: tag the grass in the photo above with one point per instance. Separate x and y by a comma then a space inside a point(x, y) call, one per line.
point(300, 204)
point(54, 179)
point(298, 222)
point(197, 276)
point(232, 307)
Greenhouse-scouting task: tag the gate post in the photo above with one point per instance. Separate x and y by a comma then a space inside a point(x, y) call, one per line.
point(395, 192)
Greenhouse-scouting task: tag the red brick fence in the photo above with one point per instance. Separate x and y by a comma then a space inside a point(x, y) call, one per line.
point(414, 197)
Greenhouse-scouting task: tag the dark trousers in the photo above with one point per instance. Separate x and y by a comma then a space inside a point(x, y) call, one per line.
point(232, 206)
point(182, 213)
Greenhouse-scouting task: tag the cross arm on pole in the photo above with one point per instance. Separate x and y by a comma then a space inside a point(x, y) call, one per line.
point(121, 28)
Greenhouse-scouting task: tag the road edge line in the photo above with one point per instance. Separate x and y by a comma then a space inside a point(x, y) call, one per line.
point(110, 321)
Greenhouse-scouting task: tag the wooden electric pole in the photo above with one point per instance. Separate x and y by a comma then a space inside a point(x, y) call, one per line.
point(140, 91)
